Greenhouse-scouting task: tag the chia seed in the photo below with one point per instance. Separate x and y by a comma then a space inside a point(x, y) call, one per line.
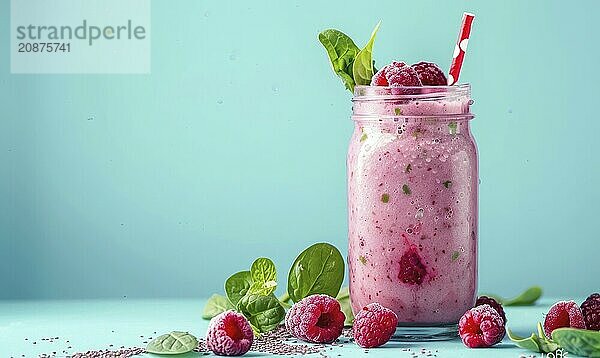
point(278, 341)
point(105, 353)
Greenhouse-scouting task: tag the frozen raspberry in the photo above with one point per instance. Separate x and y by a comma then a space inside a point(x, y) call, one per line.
point(485, 300)
point(396, 74)
point(590, 309)
point(430, 74)
point(481, 326)
point(379, 78)
point(405, 76)
point(229, 334)
point(563, 314)
point(316, 319)
point(374, 325)
point(412, 270)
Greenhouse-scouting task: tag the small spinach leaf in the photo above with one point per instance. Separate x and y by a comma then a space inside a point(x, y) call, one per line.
point(237, 285)
point(215, 305)
point(546, 345)
point(317, 270)
point(529, 343)
point(344, 299)
point(264, 313)
point(536, 342)
point(526, 298)
point(341, 51)
point(264, 276)
point(172, 343)
point(362, 68)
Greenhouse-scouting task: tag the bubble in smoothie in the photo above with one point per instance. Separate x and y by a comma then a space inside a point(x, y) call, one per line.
point(419, 213)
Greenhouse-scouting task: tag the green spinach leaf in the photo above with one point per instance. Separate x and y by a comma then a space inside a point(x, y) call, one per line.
point(344, 299)
point(581, 342)
point(529, 343)
point(264, 313)
point(341, 51)
point(264, 276)
point(536, 342)
point(526, 298)
point(215, 305)
point(546, 345)
point(362, 68)
point(317, 270)
point(237, 286)
point(172, 343)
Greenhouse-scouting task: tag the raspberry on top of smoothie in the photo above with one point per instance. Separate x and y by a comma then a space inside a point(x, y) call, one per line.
point(399, 74)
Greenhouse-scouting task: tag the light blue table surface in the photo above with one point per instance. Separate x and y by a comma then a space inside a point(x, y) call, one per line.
point(95, 324)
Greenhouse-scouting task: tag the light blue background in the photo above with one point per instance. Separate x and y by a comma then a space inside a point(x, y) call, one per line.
point(234, 147)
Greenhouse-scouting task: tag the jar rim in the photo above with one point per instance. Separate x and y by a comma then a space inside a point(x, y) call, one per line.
point(379, 93)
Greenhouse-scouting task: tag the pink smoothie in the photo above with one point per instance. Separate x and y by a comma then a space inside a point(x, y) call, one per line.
point(412, 205)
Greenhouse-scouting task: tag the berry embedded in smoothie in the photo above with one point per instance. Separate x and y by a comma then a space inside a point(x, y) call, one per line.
point(412, 270)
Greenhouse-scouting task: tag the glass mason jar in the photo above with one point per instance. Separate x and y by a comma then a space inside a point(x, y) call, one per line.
point(412, 206)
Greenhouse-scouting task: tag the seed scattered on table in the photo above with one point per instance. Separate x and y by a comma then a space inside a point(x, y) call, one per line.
point(105, 353)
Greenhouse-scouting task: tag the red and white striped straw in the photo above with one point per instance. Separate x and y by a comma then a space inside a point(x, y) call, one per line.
point(460, 48)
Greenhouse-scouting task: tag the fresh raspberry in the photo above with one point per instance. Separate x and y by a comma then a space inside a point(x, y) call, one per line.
point(563, 314)
point(430, 74)
point(481, 326)
point(485, 300)
point(374, 325)
point(590, 309)
point(316, 319)
point(229, 334)
point(396, 74)
point(412, 270)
